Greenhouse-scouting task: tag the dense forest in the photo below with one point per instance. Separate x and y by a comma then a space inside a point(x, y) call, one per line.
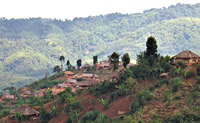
point(29, 48)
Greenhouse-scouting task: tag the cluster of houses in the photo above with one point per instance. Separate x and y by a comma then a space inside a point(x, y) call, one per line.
point(84, 80)
point(87, 80)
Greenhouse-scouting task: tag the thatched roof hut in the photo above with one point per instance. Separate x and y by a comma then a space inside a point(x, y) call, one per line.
point(25, 110)
point(186, 56)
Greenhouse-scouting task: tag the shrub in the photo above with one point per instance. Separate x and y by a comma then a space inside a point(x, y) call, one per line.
point(134, 106)
point(177, 98)
point(69, 120)
point(113, 96)
point(167, 95)
point(1, 106)
point(144, 96)
point(176, 83)
point(90, 116)
point(190, 74)
point(181, 64)
point(105, 103)
point(198, 70)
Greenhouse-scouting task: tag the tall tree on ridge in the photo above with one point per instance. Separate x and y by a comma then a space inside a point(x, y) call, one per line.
point(151, 51)
point(79, 61)
point(68, 64)
point(62, 59)
point(115, 60)
point(125, 59)
point(95, 59)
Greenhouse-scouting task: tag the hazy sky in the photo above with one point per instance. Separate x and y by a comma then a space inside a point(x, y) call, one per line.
point(68, 9)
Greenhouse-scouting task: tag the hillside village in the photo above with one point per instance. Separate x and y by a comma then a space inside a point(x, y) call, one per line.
point(156, 89)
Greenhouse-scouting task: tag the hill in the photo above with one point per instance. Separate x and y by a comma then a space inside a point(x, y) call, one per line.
point(29, 48)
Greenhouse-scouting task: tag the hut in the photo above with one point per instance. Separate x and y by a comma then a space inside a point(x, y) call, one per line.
point(25, 93)
point(71, 81)
point(37, 93)
point(89, 76)
point(26, 111)
point(69, 73)
point(9, 96)
point(63, 85)
point(85, 84)
point(186, 56)
point(164, 75)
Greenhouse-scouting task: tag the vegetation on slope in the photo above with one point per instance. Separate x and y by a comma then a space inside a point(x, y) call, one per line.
point(31, 47)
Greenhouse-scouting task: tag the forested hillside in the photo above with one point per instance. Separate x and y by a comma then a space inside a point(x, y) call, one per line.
point(31, 47)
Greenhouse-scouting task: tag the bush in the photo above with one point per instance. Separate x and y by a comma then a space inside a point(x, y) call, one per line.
point(167, 95)
point(113, 96)
point(184, 116)
point(181, 64)
point(198, 70)
point(90, 116)
point(69, 120)
point(176, 83)
point(144, 96)
point(1, 106)
point(190, 74)
point(134, 106)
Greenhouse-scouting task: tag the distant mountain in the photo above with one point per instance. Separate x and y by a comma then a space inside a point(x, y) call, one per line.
point(29, 48)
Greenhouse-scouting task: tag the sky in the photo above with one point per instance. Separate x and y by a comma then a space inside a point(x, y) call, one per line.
point(69, 9)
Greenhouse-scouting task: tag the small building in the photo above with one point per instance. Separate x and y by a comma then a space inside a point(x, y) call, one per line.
point(37, 93)
point(26, 111)
point(9, 96)
point(89, 76)
point(86, 67)
point(186, 56)
point(71, 81)
point(69, 73)
point(25, 93)
point(104, 66)
point(63, 85)
point(164, 75)
point(85, 84)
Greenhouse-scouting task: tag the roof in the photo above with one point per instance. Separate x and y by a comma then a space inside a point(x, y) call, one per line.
point(107, 64)
point(37, 92)
point(26, 92)
point(73, 81)
point(86, 66)
point(69, 73)
point(164, 74)
point(9, 96)
point(25, 110)
point(186, 54)
point(62, 85)
point(87, 83)
point(89, 75)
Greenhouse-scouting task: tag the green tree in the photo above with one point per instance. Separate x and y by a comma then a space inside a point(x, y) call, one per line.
point(62, 59)
point(125, 59)
point(151, 50)
point(57, 69)
point(105, 103)
point(115, 60)
point(95, 59)
point(18, 116)
point(79, 61)
point(68, 65)
point(198, 70)
point(132, 85)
